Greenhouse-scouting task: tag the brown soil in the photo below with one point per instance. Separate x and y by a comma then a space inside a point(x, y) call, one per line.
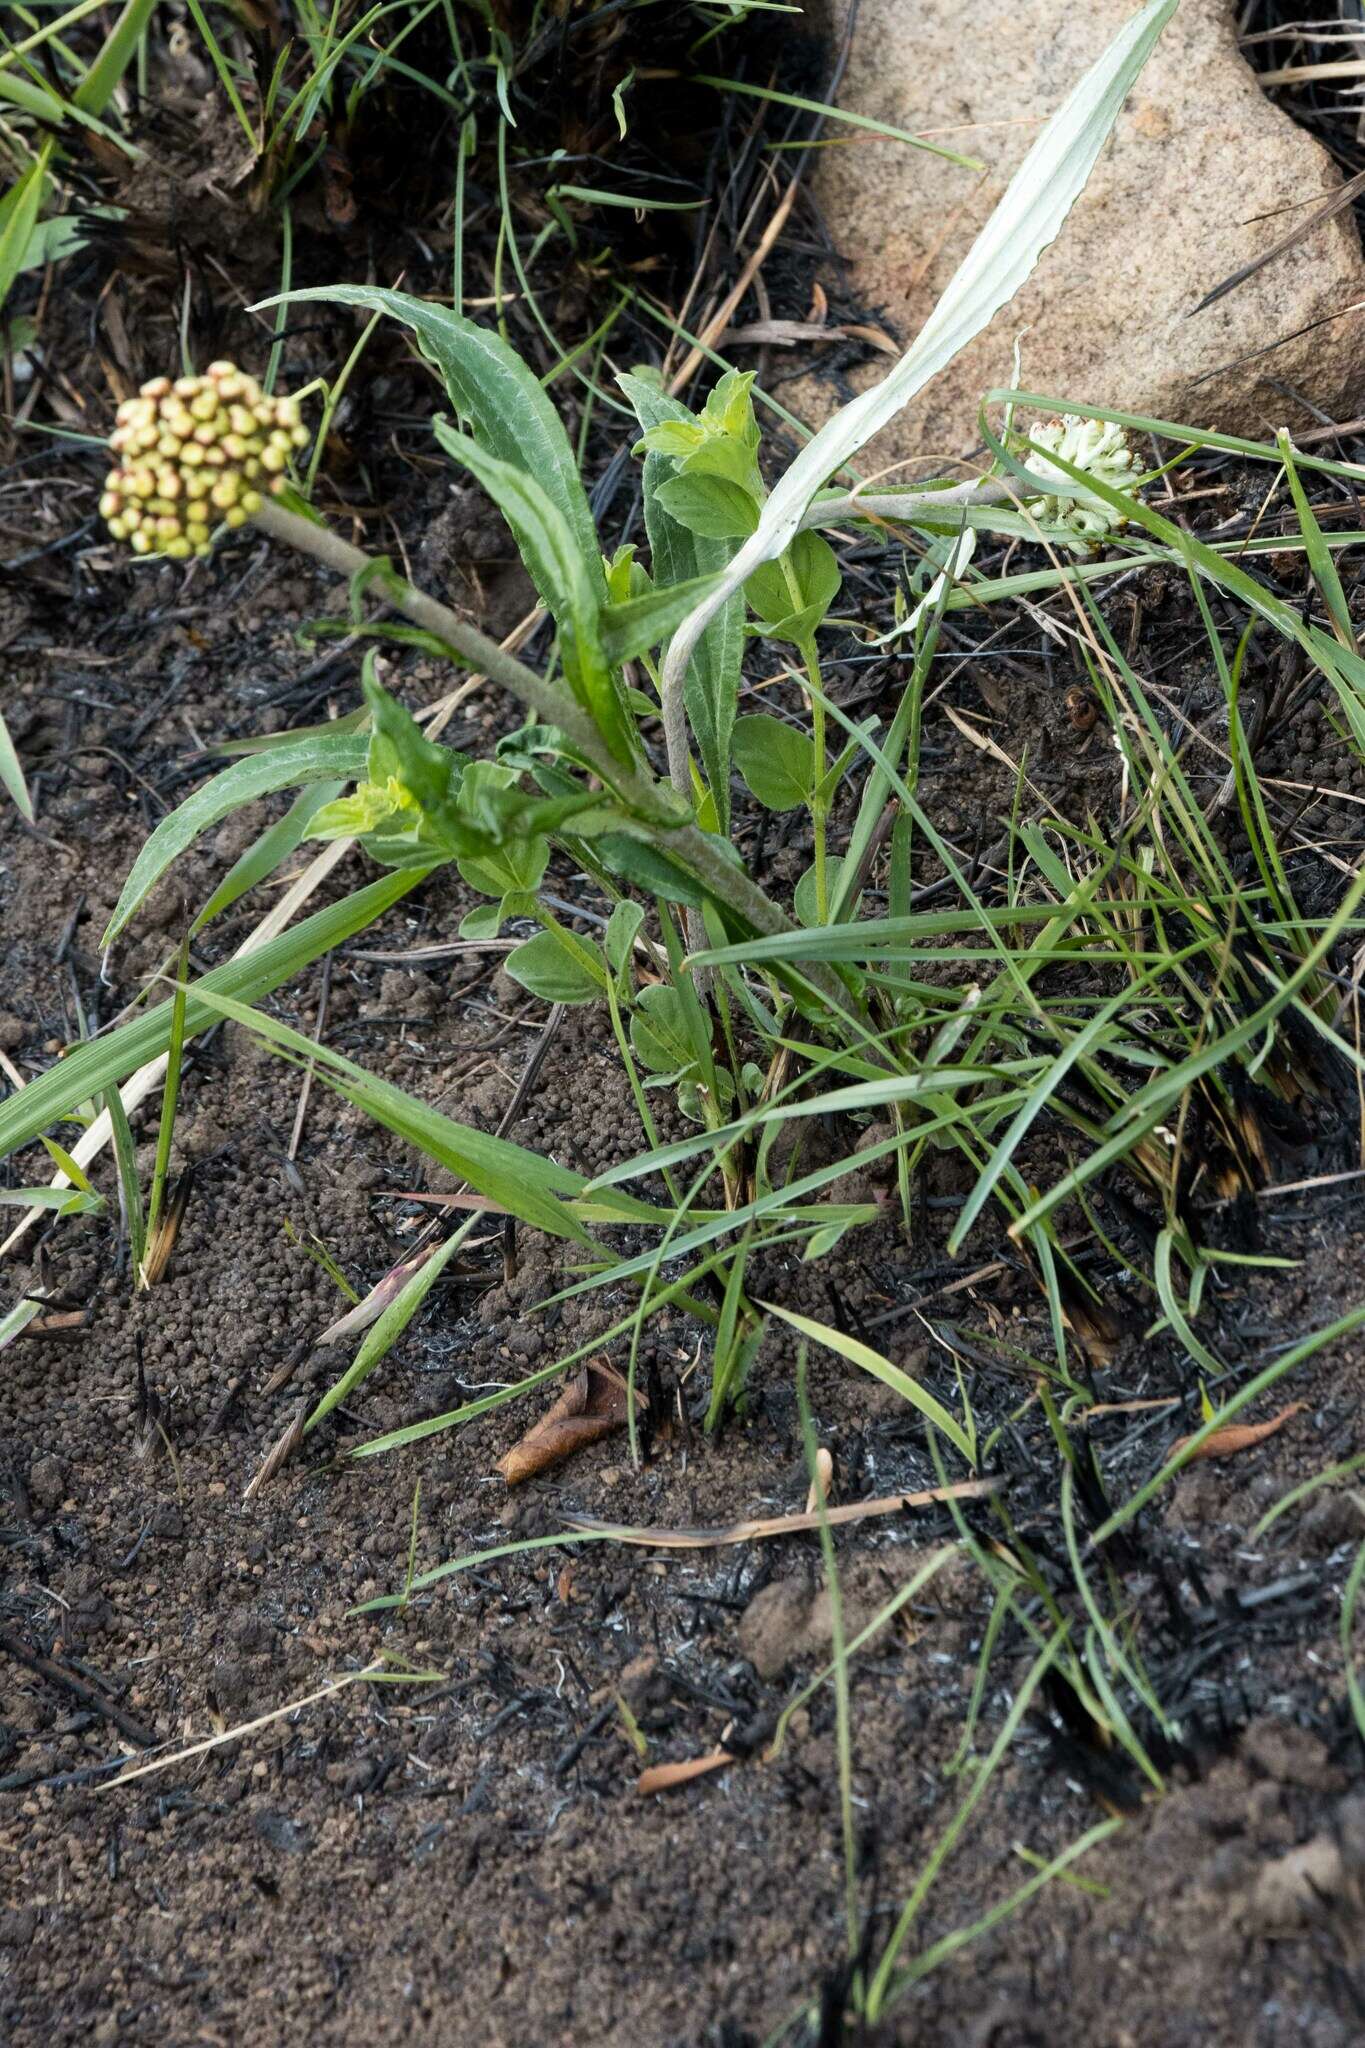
point(469, 1860)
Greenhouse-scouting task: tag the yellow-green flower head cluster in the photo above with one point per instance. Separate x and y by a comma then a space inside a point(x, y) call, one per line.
point(193, 455)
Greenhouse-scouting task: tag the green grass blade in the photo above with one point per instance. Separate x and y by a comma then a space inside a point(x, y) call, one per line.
point(105, 75)
point(860, 1354)
point(12, 774)
point(842, 115)
point(130, 1193)
point(884, 1977)
point(19, 210)
point(1254, 1388)
point(314, 760)
point(520, 1181)
point(265, 854)
point(170, 1096)
point(380, 1340)
point(100, 1063)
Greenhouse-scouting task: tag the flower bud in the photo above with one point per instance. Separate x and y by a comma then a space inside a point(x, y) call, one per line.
point(191, 451)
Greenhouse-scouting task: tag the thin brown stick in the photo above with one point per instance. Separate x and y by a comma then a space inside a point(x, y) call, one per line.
point(1331, 205)
point(89, 1696)
point(725, 311)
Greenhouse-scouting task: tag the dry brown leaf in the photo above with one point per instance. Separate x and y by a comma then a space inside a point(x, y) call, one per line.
point(1238, 1436)
point(664, 1777)
point(592, 1404)
point(280, 1451)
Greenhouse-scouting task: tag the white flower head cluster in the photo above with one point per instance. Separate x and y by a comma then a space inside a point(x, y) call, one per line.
point(195, 454)
point(1096, 446)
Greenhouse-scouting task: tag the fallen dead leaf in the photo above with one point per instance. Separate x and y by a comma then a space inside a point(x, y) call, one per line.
point(593, 1404)
point(664, 1777)
point(1238, 1436)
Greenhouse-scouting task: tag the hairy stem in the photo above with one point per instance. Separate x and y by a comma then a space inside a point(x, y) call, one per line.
point(647, 798)
point(907, 505)
point(553, 705)
point(819, 803)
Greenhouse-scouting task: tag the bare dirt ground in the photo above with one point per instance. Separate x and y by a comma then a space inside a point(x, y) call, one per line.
point(471, 1860)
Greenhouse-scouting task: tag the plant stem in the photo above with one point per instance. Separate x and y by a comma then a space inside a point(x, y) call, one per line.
point(648, 799)
point(819, 802)
point(906, 505)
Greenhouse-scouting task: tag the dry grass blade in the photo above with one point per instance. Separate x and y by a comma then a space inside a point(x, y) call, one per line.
point(725, 312)
point(162, 1241)
point(210, 1742)
point(1330, 207)
point(282, 1450)
point(784, 1525)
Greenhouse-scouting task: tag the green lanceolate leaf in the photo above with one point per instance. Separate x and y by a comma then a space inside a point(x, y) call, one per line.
point(423, 804)
point(710, 506)
point(776, 760)
point(490, 386)
point(292, 767)
point(658, 1031)
point(711, 688)
point(398, 747)
point(571, 583)
point(640, 623)
point(515, 868)
point(622, 928)
point(642, 865)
